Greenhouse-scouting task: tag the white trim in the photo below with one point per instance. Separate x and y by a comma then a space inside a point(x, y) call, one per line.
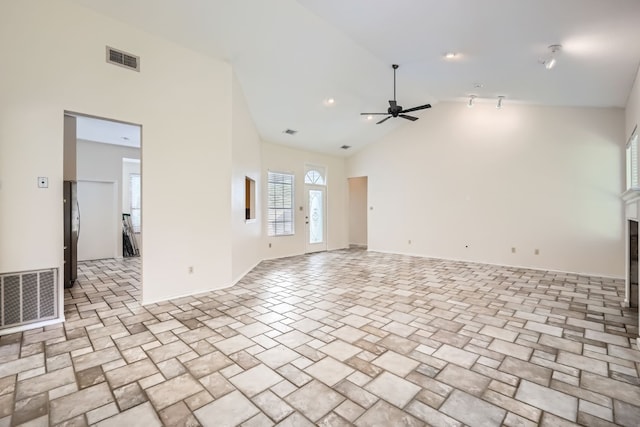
point(549, 270)
point(30, 326)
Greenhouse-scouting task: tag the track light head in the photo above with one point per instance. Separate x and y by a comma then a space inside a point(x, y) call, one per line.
point(471, 100)
point(499, 104)
point(550, 61)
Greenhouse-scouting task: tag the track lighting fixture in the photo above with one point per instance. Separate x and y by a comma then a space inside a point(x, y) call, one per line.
point(499, 104)
point(471, 100)
point(550, 61)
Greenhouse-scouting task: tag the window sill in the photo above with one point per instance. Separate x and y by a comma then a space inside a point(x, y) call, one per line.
point(631, 195)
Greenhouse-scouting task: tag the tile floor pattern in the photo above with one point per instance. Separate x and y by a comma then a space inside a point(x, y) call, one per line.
point(337, 338)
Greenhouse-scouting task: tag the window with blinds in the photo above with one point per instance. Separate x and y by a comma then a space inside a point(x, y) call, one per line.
point(134, 201)
point(632, 161)
point(280, 204)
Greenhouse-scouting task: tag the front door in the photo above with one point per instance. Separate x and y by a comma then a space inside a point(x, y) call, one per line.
point(315, 218)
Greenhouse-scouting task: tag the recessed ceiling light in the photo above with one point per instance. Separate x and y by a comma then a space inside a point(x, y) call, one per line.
point(345, 147)
point(290, 131)
point(329, 101)
point(369, 117)
point(125, 138)
point(450, 55)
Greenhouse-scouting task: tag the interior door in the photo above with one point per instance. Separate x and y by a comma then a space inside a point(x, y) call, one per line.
point(315, 218)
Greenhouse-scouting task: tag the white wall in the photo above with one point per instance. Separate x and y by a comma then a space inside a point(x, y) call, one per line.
point(246, 157)
point(98, 236)
point(358, 211)
point(278, 158)
point(181, 98)
point(471, 184)
point(632, 112)
point(103, 162)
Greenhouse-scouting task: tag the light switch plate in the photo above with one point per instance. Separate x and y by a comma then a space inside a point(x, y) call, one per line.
point(43, 182)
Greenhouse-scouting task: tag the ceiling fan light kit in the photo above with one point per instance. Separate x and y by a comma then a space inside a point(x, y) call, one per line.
point(394, 109)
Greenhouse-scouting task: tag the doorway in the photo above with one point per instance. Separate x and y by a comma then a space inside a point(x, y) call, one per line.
point(358, 212)
point(315, 209)
point(98, 154)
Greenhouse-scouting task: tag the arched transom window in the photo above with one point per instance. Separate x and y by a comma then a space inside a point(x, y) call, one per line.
point(314, 176)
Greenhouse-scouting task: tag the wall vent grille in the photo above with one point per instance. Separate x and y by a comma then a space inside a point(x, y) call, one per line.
point(28, 297)
point(123, 59)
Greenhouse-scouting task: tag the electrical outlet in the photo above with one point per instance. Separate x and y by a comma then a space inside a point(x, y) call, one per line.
point(513, 250)
point(537, 252)
point(43, 182)
point(191, 269)
point(269, 244)
point(409, 241)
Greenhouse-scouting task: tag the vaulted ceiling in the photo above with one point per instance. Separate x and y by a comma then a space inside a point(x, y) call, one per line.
point(291, 56)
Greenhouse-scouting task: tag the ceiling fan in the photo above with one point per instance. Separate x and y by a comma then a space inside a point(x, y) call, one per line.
point(394, 109)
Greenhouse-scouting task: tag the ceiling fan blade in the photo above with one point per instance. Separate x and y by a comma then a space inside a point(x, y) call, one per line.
point(422, 107)
point(373, 114)
point(383, 120)
point(404, 116)
point(393, 103)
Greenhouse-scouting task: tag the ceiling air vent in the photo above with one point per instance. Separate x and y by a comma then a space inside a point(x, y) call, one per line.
point(123, 59)
point(290, 131)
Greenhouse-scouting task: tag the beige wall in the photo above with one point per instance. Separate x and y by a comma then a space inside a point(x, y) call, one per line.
point(69, 149)
point(471, 184)
point(181, 98)
point(247, 157)
point(278, 158)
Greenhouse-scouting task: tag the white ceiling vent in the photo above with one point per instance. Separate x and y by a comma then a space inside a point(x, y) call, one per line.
point(123, 59)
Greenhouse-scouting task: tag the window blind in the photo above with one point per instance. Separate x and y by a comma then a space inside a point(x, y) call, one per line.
point(280, 221)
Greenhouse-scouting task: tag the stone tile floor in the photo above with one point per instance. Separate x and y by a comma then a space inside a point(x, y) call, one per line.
point(337, 338)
